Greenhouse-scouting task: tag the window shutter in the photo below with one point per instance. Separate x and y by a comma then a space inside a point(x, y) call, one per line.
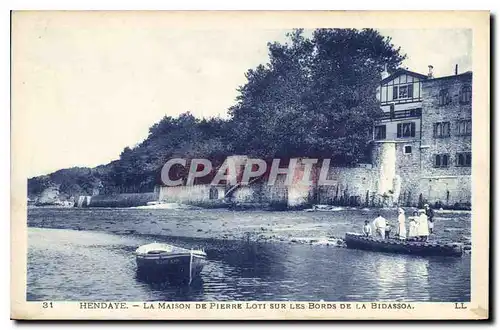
point(383, 132)
point(399, 130)
point(437, 161)
point(410, 90)
point(412, 133)
point(395, 92)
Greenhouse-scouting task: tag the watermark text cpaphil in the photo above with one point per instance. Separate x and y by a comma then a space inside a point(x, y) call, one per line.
point(235, 171)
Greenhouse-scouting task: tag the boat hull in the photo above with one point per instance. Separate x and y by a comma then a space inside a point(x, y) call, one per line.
point(158, 260)
point(180, 265)
point(360, 242)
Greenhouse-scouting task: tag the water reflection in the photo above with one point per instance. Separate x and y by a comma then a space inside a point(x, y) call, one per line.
point(171, 289)
point(418, 281)
point(251, 259)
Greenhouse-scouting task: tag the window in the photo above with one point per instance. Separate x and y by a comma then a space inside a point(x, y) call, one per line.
point(407, 149)
point(464, 159)
point(442, 129)
point(441, 160)
point(402, 92)
point(464, 127)
point(416, 112)
point(406, 130)
point(465, 94)
point(380, 132)
point(214, 193)
point(444, 97)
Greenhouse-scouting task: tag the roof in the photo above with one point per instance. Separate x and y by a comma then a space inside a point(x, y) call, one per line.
point(399, 72)
point(467, 73)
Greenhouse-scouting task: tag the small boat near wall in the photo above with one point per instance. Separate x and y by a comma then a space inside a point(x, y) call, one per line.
point(361, 242)
point(170, 261)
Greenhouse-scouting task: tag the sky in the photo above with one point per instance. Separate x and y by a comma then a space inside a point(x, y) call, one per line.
point(89, 91)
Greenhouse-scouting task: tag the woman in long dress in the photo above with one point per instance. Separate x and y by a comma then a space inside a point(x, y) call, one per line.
point(402, 225)
point(423, 226)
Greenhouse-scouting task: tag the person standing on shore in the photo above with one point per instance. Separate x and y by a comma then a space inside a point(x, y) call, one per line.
point(423, 226)
point(430, 216)
point(401, 224)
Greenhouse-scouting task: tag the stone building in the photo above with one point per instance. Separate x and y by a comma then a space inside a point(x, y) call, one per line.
point(422, 142)
point(421, 152)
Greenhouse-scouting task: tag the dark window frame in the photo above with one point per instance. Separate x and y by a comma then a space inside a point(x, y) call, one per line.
point(405, 152)
point(403, 132)
point(441, 160)
point(396, 91)
point(439, 133)
point(213, 193)
point(463, 159)
point(465, 95)
point(444, 97)
point(467, 124)
point(378, 129)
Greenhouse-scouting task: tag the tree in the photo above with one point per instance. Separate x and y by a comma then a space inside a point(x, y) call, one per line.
point(316, 97)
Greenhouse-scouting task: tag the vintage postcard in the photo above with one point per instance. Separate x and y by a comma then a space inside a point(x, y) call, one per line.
point(250, 165)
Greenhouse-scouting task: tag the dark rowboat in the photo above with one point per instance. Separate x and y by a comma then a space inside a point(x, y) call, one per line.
point(358, 241)
point(169, 261)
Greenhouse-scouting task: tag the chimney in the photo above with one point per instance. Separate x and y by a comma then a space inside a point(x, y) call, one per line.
point(385, 74)
point(430, 75)
point(456, 69)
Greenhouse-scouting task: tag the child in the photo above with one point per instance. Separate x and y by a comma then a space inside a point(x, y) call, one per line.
point(367, 229)
point(388, 228)
point(413, 226)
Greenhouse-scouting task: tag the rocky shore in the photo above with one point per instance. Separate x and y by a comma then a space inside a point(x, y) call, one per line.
point(293, 227)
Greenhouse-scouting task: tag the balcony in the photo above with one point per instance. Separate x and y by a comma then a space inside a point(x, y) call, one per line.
point(401, 114)
point(393, 136)
point(402, 101)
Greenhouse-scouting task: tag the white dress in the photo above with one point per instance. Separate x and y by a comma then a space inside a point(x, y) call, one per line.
point(423, 225)
point(379, 224)
point(413, 230)
point(402, 226)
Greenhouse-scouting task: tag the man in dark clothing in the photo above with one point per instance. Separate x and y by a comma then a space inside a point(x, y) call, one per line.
point(430, 217)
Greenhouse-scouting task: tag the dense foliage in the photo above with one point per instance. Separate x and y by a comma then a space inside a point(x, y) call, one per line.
point(315, 98)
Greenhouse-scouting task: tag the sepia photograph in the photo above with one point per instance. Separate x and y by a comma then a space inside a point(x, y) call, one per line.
point(171, 165)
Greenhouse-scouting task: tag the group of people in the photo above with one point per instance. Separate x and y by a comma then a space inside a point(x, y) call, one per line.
point(421, 225)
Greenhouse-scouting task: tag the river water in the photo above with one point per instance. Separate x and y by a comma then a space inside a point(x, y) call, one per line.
point(72, 257)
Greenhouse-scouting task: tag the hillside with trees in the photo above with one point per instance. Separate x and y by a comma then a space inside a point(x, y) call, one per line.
point(316, 97)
